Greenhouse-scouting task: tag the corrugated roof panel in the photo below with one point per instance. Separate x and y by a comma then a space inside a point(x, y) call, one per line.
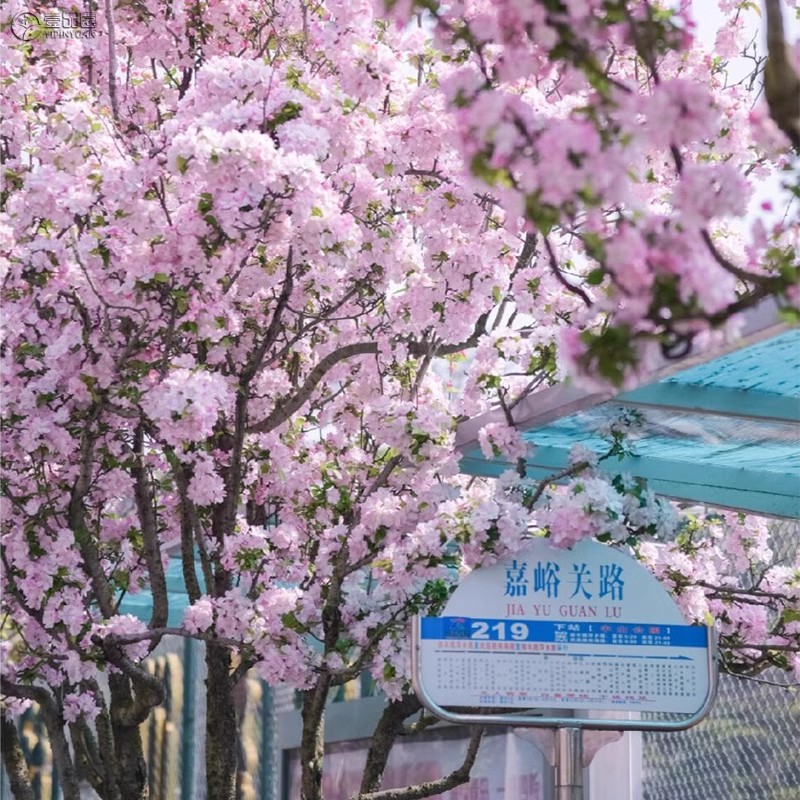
point(772, 367)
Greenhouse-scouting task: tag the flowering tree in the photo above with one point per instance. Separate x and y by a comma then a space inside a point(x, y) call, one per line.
point(248, 246)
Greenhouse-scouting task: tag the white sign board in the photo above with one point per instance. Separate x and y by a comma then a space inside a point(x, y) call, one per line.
point(587, 629)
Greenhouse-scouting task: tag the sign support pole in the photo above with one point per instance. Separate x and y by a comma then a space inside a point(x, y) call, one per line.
point(569, 763)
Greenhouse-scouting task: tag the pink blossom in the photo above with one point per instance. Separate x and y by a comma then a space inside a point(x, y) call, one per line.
point(80, 704)
point(123, 624)
point(498, 439)
point(199, 616)
point(206, 486)
point(185, 405)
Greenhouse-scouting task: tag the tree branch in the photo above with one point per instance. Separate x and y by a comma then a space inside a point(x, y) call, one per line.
point(132, 638)
point(389, 727)
point(271, 334)
point(560, 276)
point(568, 472)
point(148, 522)
point(522, 465)
point(149, 690)
point(77, 522)
point(736, 592)
point(312, 744)
point(14, 761)
point(729, 266)
point(88, 759)
point(188, 519)
point(283, 413)
point(54, 722)
point(105, 740)
point(429, 788)
point(112, 61)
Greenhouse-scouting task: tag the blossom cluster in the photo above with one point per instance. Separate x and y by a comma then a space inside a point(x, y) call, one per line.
point(616, 133)
point(734, 571)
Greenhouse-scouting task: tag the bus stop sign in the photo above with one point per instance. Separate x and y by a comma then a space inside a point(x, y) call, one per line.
point(550, 635)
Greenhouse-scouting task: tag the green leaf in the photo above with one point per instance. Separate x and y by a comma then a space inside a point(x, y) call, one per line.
point(452, 200)
point(205, 203)
point(790, 615)
point(595, 277)
point(288, 111)
point(543, 215)
point(181, 301)
point(480, 168)
point(610, 352)
point(291, 622)
point(593, 244)
point(790, 314)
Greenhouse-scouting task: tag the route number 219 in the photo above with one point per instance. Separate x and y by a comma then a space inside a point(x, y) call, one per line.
point(481, 629)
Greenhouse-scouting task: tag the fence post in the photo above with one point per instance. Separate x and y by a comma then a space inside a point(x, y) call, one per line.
point(188, 719)
point(267, 778)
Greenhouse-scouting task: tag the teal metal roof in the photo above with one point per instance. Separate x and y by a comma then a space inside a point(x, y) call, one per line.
point(724, 433)
point(141, 603)
point(761, 380)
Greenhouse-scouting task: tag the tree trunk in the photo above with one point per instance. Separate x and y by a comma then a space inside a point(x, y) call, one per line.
point(312, 745)
point(130, 766)
point(14, 761)
point(221, 730)
point(62, 757)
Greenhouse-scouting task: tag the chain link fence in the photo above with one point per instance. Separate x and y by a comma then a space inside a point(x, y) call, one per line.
point(749, 746)
point(747, 749)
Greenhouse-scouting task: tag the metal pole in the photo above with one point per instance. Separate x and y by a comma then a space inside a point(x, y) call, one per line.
point(569, 764)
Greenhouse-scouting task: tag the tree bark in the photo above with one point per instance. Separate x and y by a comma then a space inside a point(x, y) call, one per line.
point(221, 730)
point(389, 727)
point(435, 788)
point(312, 744)
point(14, 761)
point(62, 758)
point(131, 768)
point(54, 722)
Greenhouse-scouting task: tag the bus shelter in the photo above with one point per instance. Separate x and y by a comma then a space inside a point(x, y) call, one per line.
point(721, 429)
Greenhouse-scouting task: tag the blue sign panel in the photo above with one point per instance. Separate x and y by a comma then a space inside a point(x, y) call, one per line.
point(505, 630)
